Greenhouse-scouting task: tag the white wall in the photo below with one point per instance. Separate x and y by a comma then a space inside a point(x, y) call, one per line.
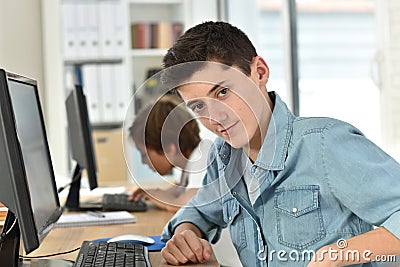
point(24, 49)
point(21, 38)
point(54, 86)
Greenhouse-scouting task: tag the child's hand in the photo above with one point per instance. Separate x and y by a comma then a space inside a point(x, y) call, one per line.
point(137, 195)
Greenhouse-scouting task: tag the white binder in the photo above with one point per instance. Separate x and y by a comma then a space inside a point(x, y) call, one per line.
point(90, 77)
point(70, 44)
point(81, 26)
point(122, 94)
point(106, 28)
point(118, 22)
point(92, 29)
point(107, 92)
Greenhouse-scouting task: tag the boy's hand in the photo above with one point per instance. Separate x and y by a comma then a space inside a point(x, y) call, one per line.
point(186, 247)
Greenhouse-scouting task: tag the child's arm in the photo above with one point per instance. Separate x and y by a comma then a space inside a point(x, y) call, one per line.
point(359, 249)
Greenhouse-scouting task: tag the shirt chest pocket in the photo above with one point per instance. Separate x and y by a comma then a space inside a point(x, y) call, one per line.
point(298, 213)
point(235, 222)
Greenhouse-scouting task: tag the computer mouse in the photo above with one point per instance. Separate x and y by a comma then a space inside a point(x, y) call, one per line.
point(135, 239)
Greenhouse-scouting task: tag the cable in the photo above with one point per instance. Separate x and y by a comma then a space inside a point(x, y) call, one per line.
point(4, 234)
point(50, 255)
point(74, 179)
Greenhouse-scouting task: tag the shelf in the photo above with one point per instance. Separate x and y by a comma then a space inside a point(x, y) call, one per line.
point(85, 61)
point(106, 125)
point(148, 52)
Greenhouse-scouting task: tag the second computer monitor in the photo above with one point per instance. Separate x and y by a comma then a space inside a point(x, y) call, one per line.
point(81, 134)
point(81, 144)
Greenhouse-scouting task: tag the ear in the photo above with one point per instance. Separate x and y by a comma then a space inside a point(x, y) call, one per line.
point(261, 70)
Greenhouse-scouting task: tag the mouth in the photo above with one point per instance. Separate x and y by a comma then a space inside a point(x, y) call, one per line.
point(227, 130)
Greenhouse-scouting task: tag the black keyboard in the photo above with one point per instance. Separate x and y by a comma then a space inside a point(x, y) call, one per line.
point(121, 202)
point(113, 254)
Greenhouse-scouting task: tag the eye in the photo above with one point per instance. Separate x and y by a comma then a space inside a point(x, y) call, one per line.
point(197, 108)
point(223, 92)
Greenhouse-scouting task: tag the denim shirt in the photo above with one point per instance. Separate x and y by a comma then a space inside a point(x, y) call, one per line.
point(321, 180)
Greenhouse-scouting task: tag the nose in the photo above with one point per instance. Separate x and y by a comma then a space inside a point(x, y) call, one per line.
point(217, 113)
point(145, 160)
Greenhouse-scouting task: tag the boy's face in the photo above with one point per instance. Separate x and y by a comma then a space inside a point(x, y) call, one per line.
point(228, 103)
point(156, 161)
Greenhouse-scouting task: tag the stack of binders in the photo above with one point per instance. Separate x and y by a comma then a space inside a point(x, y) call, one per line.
point(161, 34)
point(3, 213)
point(93, 29)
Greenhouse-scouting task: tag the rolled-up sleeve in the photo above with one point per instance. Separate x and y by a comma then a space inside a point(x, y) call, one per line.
point(362, 176)
point(205, 209)
point(194, 216)
point(393, 224)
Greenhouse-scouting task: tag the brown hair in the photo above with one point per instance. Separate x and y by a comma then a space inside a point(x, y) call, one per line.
point(209, 41)
point(154, 128)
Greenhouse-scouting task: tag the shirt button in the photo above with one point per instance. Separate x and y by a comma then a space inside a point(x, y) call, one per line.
point(230, 218)
point(294, 210)
point(234, 193)
point(253, 170)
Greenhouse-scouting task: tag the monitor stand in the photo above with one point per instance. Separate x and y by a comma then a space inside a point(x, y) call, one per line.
point(9, 245)
point(73, 203)
point(9, 248)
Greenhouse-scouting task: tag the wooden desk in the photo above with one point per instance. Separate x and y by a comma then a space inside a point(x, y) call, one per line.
point(150, 222)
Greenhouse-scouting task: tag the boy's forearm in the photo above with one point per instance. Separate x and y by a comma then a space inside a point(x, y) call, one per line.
point(189, 226)
point(370, 246)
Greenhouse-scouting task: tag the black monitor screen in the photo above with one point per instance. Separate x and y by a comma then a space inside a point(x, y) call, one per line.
point(82, 150)
point(27, 181)
point(35, 152)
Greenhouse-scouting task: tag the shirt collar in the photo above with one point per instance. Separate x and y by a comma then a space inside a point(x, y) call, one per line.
point(273, 152)
point(274, 149)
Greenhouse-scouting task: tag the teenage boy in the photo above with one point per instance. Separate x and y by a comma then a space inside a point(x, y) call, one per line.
point(293, 191)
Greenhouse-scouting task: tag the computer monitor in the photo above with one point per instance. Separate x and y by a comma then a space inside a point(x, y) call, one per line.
point(27, 182)
point(82, 150)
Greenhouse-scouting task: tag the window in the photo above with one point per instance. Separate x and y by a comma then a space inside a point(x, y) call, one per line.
point(336, 46)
